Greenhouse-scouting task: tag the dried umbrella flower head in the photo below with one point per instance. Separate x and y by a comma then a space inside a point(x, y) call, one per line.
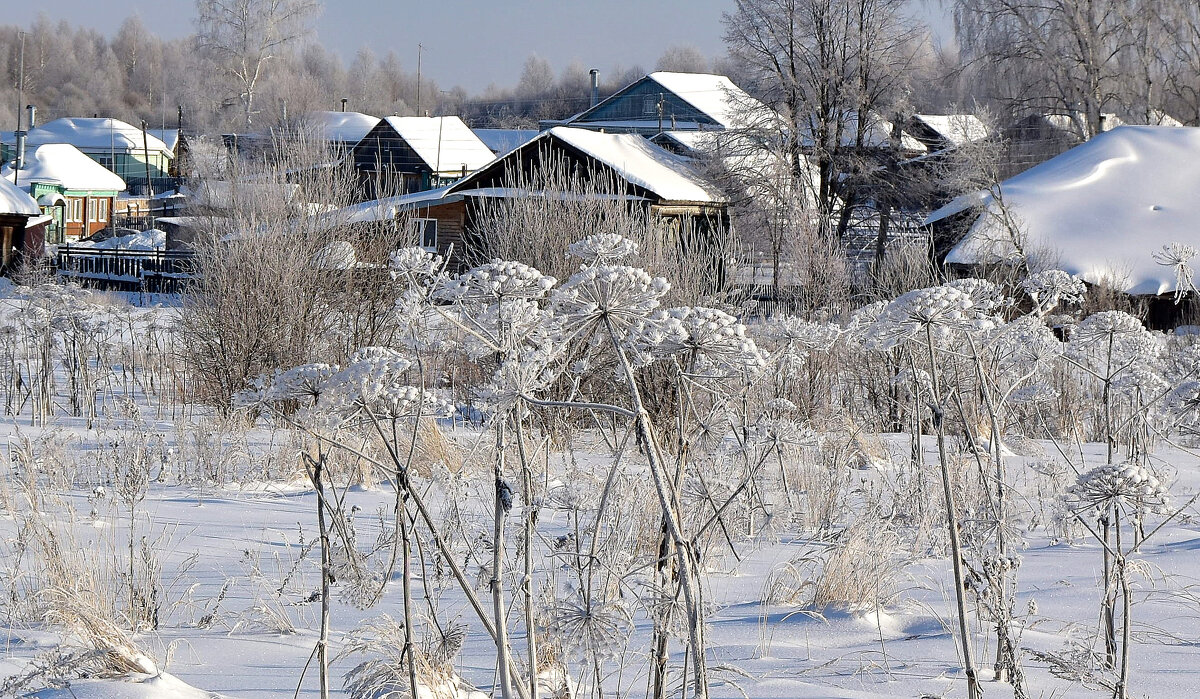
point(1129, 486)
point(939, 309)
point(1049, 288)
point(496, 281)
point(617, 294)
point(1179, 256)
point(603, 248)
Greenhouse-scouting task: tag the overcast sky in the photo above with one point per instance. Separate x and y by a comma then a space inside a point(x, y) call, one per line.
point(472, 43)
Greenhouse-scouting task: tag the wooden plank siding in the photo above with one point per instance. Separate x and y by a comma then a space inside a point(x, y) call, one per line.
point(387, 165)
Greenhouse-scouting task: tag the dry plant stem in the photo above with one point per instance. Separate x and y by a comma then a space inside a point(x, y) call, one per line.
point(1122, 689)
point(530, 521)
point(443, 548)
point(497, 583)
point(315, 471)
point(687, 577)
point(409, 632)
point(973, 689)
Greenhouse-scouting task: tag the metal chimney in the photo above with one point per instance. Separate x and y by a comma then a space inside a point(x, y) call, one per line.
point(595, 86)
point(344, 104)
point(32, 115)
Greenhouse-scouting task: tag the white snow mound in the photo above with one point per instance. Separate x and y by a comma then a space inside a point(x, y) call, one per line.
point(1101, 210)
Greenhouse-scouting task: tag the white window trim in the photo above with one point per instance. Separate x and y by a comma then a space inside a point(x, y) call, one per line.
point(419, 226)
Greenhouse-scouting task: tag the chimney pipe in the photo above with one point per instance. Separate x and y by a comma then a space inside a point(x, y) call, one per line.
point(32, 115)
point(343, 105)
point(595, 86)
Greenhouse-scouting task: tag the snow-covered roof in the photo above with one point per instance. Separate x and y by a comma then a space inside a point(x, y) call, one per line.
point(641, 163)
point(1100, 210)
point(714, 95)
point(95, 134)
point(956, 129)
point(877, 134)
point(15, 201)
point(340, 127)
point(502, 141)
point(388, 208)
point(444, 143)
point(169, 137)
point(64, 165)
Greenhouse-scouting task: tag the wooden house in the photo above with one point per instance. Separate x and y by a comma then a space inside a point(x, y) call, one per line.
point(445, 219)
point(18, 238)
point(404, 155)
point(132, 154)
point(76, 192)
point(666, 100)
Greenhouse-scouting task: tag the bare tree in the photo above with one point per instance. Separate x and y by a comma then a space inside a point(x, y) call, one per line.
point(1082, 58)
point(243, 36)
point(826, 65)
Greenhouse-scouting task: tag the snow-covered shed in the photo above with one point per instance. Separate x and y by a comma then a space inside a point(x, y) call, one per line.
point(689, 102)
point(1105, 210)
point(402, 155)
point(18, 211)
point(114, 144)
point(74, 190)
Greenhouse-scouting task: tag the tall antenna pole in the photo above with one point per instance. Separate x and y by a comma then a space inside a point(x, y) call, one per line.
point(419, 49)
point(20, 134)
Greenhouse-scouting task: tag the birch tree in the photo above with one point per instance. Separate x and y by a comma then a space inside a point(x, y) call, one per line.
point(243, 36)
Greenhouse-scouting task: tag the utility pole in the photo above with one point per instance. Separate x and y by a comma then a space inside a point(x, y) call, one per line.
point(420, 48)
point(660, 111)
point(146, 153)
point(20, 133)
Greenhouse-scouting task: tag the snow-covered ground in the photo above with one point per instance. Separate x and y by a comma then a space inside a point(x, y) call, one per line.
point(208, 528)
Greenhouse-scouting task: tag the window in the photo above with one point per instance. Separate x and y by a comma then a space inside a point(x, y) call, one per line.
point(74, 210)
point(649, 105)
point(101, 210)
point(426, 232)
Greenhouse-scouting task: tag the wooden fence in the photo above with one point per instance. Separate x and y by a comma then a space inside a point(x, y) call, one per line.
point(158, 271)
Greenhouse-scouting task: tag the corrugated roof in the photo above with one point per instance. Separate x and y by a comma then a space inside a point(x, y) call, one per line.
point(444, 143)
point(502, 141)
point(66, 166)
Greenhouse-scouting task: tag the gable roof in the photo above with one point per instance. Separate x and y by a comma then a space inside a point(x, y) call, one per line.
point(64, 165)
point(1100, 210)
point(634, 159)
point(340, 127)
point(14, 201)
point(954, 129)
point(169, 137)
point(445, 143)
point(714, 96)
point(94, 134)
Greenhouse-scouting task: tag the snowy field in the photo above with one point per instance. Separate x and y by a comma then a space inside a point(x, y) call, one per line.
point(153, 547)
